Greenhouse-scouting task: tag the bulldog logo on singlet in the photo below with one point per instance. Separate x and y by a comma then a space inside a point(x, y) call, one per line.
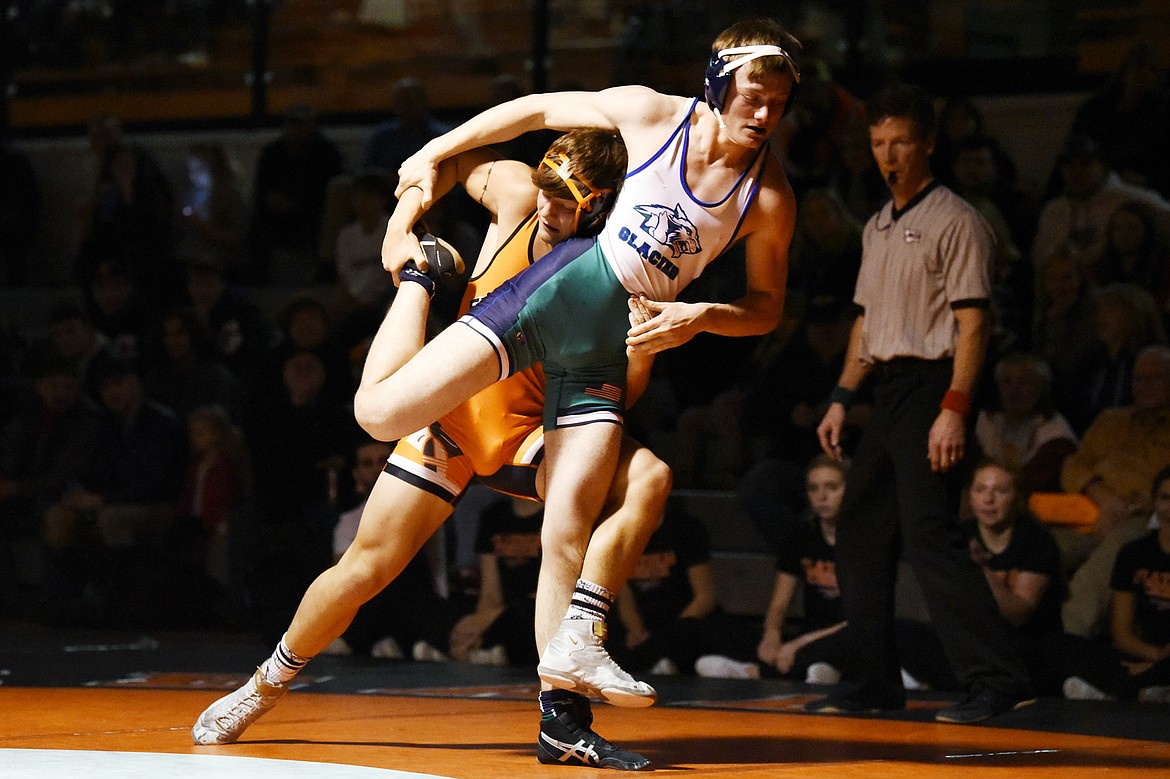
point(670, 227)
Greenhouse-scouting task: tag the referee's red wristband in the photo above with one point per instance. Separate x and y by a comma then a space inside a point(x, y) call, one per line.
point(959, 402)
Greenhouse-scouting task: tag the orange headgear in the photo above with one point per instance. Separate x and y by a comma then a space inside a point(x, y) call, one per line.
point(583, 192)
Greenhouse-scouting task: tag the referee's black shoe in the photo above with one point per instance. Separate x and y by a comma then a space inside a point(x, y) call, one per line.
point(564, 739)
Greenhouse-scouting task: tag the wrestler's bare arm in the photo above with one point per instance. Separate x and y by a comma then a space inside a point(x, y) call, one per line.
point(769, 228)
point(502, 186)
point(638, 113)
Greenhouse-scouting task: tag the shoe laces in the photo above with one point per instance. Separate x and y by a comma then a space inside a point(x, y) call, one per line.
point(245, 706)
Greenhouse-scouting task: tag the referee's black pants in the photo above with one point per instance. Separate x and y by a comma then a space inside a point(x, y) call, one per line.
point(894, 504)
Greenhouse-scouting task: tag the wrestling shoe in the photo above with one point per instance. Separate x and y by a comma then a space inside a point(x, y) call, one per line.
point(564, 739)
point(576, 660)
point(443, 260)
point(1077, 689)
point(226, 720)
point(983, 703)
point(724, 667)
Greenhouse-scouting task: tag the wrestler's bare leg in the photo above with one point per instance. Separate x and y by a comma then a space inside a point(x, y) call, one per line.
point(579, 474)
point(633, 510)
point(397, 520)
point(579, 466)
point(400, 336)
point(447, 371)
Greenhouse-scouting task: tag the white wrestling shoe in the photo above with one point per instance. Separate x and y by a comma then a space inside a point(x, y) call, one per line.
point(226, 720)
point(576, 660)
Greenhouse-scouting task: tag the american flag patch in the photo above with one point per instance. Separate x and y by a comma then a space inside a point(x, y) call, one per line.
point(605, 391)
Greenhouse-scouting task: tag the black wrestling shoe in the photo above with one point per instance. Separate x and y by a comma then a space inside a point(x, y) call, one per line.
point(564, 740)
point(443, 260)
point(982, 704)
point(847, 704)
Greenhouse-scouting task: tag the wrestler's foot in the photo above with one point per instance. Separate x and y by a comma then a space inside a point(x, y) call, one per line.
point(226, 720)
point(442, 258)
point(565, 738)
point(576, 660)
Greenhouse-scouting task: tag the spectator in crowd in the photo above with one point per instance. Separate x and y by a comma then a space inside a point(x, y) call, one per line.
point(47, 445)
point(119, 309)
point(292, 173)
point(1077, 218)
point(299, 437)
point(973, 171)
point(529, 147)
point(499, 631)
point(807, 557)
point(412, 126)
point(408, 613)
point(305, 326)
point(1136, 665)
point(857, 178)
point(20, 212)
point(826, 248)
point(188, 373)
point(959, 121)
point(1135, 253)
point(667, 614)
point(807, 641)
point(1025, 433)
point(242, 334)
point(364, 287)
point(116, 515)
point(1126, 321)
point(131, 213)
point(217, 483)
point(924, 287)
point(213, 214)
point(781, 411)
point(1114, 466)
point(771, 408)
point(73, 335)
point(811, 135)
point(1065, 327)
point(1021, 562)
point(1130, 120)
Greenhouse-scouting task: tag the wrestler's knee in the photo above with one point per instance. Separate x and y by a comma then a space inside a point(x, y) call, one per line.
point(372, 417)
point(364, 572)
point(564, 540)
point(651, 475)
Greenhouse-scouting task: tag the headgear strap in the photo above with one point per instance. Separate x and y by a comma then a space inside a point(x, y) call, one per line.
point(575, 182)
point(720, 69)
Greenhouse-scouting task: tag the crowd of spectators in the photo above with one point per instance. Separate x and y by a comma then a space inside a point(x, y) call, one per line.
point(173, 453)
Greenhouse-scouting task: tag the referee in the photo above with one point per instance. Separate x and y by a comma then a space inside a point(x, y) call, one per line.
point(924, 291)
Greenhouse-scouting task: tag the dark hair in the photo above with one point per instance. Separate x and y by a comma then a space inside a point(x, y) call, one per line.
point(202, 339)
point(822, 460)
point(1080, 147)
point(903, 100)
point(598, 155)
point(749, 32)
point(300, 304)
point(1159, 478)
